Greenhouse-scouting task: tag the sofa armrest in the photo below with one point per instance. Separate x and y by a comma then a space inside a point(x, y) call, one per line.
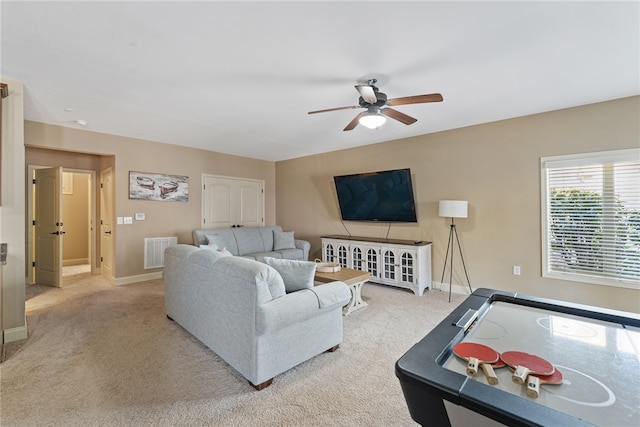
point(331, 295)
point(298, 306)
point(305, 246)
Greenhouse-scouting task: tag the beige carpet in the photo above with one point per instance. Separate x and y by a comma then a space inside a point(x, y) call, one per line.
point(103, 355)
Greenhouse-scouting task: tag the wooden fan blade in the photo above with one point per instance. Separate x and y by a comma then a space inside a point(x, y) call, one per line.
point(416, 99)
point(353, 123)
point(367, 93)
point(334, 109)
point(397, 115)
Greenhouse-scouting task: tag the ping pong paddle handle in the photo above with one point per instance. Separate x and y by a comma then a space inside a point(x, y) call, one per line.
point(533, 386)
point(472, 366)
point(492, 378)
point(520, 375)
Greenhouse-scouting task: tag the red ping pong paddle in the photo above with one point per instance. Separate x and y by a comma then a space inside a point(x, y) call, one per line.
point(534, 381)
point(478, 355)
point(489, 370)
point(499, 364)
point(526, 364)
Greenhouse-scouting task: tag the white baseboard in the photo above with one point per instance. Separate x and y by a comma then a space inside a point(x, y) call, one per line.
point(139, 278)
point(15, 334)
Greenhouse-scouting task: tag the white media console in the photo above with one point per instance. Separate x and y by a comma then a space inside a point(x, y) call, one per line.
point(400, 263)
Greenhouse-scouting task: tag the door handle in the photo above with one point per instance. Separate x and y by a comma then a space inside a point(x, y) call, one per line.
point(56, 232)
point(107, 232)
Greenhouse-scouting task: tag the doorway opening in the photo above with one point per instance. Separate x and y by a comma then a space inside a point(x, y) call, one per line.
point(77, 253)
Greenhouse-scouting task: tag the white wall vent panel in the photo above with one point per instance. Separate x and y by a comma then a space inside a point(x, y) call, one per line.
point(154, 250)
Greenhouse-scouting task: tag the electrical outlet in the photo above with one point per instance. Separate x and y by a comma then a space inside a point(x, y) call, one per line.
point(516, 270)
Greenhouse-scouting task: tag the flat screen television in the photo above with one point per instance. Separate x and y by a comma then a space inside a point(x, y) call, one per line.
point(385, 196)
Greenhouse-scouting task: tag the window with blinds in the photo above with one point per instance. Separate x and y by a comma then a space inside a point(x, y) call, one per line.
point(591, 217)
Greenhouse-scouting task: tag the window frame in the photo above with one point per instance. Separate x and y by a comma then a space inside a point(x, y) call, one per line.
point(552, 162)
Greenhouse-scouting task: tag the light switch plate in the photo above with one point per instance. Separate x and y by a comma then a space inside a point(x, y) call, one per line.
point(119, 220)
point(128, 220)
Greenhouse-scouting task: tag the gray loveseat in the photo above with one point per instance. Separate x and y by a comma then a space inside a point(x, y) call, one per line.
point(240, 309)
point(255, 242)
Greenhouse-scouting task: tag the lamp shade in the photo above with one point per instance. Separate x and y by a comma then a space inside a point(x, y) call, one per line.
point(372, 120)
point(453, 208)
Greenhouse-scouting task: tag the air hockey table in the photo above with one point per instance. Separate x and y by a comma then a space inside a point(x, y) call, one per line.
point(597, 350)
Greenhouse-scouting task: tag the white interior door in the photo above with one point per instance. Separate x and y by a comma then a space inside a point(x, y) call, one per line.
point(250, 203)
point(106, 222)
point(232, 202)
point(48, 227)
point(218, 202)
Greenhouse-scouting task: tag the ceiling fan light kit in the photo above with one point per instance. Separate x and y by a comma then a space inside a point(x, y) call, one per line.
point(372, 120)
point(373, 100)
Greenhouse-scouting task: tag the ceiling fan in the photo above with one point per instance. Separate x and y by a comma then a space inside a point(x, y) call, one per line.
point(374, 101)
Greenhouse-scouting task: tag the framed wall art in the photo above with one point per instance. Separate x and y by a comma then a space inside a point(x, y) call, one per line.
point(158, 187)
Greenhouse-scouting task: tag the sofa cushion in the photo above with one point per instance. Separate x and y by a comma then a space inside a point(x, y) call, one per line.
point(249, 241)
point(216, 240)
point(296, 275)
point(267, 235)
point(289, 254)
point(223, 239)
point(283, 240)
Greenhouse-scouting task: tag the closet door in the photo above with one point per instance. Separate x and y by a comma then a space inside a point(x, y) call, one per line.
point(232, 202)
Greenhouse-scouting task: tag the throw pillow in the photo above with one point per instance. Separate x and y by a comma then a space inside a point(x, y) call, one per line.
point(225, 252)
point(283, 240)
point(295, 274)
point(216, 239)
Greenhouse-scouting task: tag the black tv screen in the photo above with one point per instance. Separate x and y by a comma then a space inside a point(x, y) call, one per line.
point(385, 196)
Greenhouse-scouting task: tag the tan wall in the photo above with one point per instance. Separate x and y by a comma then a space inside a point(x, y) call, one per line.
point(162, 218)
point(12, 214)
point(75, 216)
point(496, 167)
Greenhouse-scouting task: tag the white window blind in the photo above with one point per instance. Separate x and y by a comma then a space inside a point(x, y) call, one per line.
point(591, 217)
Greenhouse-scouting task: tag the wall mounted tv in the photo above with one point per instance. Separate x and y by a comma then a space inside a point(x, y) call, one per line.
point(385, 196)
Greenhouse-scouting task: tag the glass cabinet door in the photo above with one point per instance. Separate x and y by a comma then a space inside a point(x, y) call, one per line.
point(407, 267)
point(357, 258)
point(329, 252)
point(389, 264)
point(372, 260)
point(342, 252)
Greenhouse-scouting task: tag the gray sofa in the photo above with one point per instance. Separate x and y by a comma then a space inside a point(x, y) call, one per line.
point(255, 242)
point(241, 310)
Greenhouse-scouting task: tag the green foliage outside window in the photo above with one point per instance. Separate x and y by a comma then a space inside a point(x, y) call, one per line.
point(587, 235)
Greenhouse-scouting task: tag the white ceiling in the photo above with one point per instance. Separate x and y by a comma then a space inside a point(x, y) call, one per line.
point(239, 77)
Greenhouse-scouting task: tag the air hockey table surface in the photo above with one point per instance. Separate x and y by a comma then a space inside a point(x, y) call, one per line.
point(597, 350)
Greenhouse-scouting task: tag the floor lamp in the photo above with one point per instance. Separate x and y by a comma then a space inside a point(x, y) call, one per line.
point(453, 209)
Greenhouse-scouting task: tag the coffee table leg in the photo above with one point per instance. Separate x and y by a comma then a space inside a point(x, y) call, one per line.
point(356, 301)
